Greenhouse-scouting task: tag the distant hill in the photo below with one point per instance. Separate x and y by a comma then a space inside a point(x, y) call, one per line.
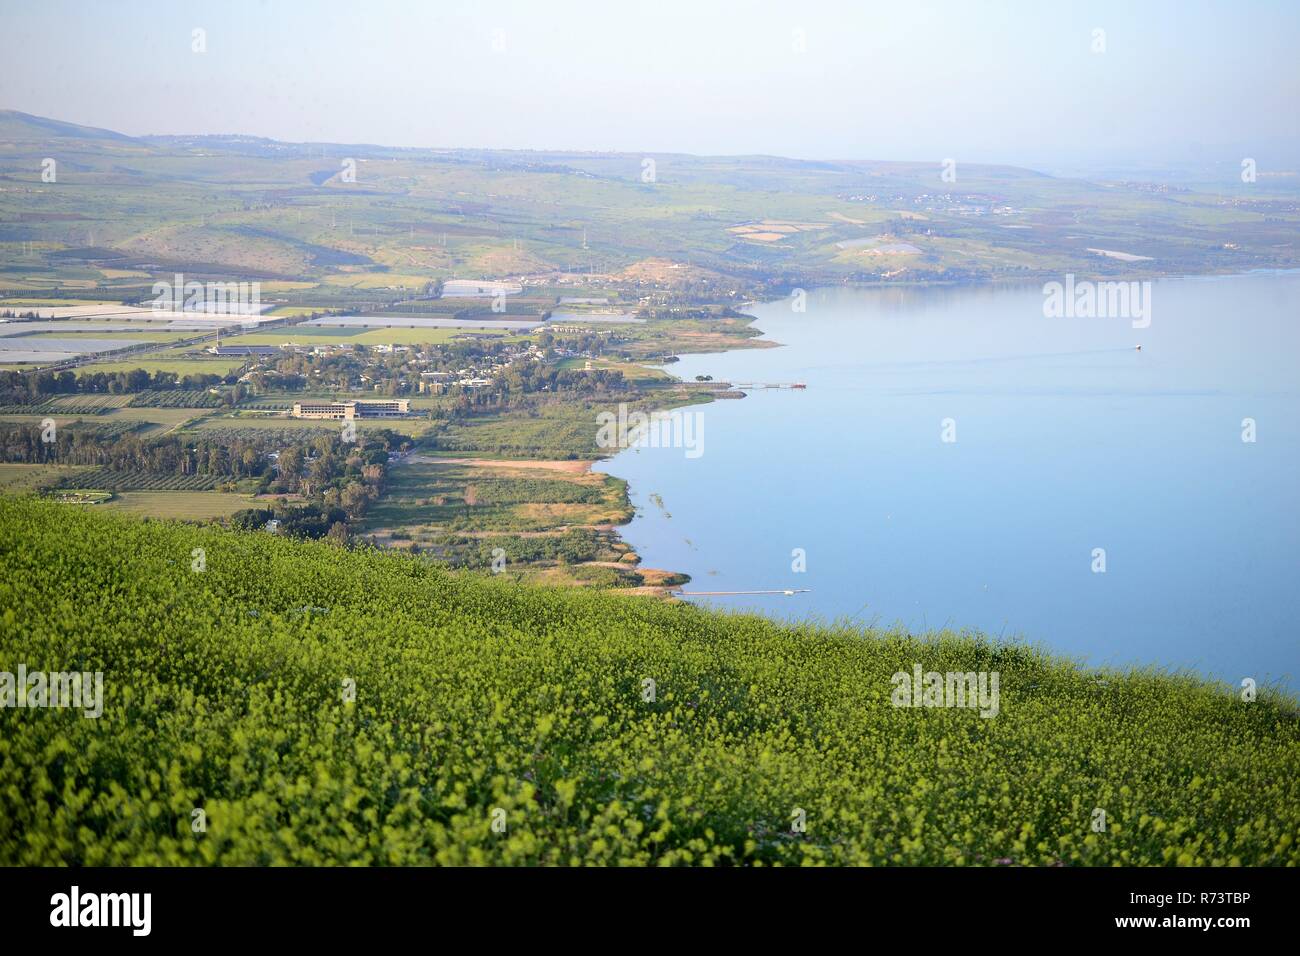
point(241, 205)
point(16, 127)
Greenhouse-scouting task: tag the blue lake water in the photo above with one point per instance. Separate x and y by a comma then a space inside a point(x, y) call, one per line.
point(1068, 439)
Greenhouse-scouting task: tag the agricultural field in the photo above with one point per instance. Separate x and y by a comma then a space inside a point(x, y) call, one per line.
point(180, 366)
point(325, 335)
point(106, 418)
point(179, 505)
point(173, 398)
point(554, 430)
point(271, 428)
point(108, 479)
point(148, 332)
point(88, 404)
point(23, 302)
point(161, 419)
point(291, 311)
point(380, 280)
point(74, 405)
point(632, 371)
point(476, 695)
point(666, 337)
point(427, 498)
point(550, 429)
point(284, 428)
point(16, 479)
point(95, 419)
point(103, 426)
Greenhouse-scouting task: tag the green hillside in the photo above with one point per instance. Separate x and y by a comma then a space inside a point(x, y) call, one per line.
point(123, 210)
point(224, 691)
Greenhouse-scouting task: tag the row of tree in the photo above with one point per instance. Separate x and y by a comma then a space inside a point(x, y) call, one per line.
point(34, 443)
point(19, 387)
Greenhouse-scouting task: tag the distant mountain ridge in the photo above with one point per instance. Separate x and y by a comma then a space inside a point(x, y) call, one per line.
point(253, 205)
point(17, 127)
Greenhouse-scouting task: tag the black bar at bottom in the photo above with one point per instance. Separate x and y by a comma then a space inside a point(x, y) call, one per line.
point(336, 905)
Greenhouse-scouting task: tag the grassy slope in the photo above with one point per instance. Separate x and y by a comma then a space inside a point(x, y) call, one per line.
point(222, 691)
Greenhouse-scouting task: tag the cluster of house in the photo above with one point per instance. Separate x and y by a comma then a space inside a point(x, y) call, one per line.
point(342, 347)
point(426, 382)
point(971, 204)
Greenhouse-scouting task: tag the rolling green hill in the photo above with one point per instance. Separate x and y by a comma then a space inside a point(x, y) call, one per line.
point(479, 702)
point(254, 207)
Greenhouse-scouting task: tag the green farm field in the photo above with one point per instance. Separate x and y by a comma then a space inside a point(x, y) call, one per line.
point(255, 423)
point(434, 498)
point(181, 367)
point(631, 370)
point(153, 420)
point(164, 419)
point(18, 479)
point(180, 505)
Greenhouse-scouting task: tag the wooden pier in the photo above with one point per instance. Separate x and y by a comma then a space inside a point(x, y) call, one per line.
point(786, 591)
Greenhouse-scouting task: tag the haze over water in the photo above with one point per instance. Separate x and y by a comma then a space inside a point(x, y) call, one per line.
point(1068, 439)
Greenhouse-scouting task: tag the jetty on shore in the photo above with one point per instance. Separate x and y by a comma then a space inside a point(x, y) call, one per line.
point(786, 591)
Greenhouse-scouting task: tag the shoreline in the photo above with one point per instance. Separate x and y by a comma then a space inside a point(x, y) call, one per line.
point(668, 592)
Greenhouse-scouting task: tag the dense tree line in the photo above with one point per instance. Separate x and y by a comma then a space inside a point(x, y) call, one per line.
point(167, 454)
point(18, 387)
point(314, 467)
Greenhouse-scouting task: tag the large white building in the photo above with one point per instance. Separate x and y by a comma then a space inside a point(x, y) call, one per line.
point(347, 411)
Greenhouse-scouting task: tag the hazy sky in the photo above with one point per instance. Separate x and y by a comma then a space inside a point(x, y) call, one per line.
point(978, 81)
